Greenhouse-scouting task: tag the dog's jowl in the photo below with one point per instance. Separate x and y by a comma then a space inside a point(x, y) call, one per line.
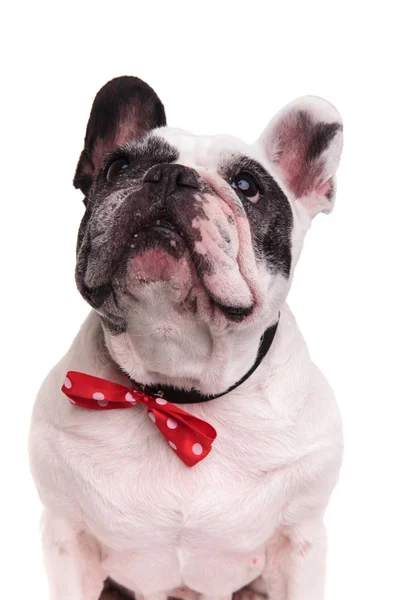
point(186, 445)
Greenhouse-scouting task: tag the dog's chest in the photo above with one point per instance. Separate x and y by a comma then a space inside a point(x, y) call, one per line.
point(149, 510)
point(144, 487)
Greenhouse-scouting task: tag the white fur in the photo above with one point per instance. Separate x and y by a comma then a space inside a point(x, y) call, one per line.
point(119, 503)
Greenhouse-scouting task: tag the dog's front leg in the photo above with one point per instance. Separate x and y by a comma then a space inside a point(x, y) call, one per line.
point(295, 567)
point(72, 561)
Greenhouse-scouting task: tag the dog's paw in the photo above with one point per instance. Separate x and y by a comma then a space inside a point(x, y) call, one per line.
point(114, 591)
point(248, 594)
point(112, 595)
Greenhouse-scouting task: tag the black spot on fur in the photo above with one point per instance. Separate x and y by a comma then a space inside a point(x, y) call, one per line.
point(121, 215)
point(322, 135)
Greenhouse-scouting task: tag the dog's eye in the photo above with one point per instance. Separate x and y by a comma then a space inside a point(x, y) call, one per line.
point(247, 184)
point(116, 167)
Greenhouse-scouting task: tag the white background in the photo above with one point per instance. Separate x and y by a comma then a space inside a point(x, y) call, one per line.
point(219, 68)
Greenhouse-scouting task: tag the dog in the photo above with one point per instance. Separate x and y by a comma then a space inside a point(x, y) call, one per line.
point(186, 253)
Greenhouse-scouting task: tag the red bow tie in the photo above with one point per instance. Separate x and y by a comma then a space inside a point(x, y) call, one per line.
point(190, 437)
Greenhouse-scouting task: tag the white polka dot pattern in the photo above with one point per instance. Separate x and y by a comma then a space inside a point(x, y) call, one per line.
point(129, 398)
point(197, 449)
point(161, 401)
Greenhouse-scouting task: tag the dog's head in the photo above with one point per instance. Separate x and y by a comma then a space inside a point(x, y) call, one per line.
point(203, 231)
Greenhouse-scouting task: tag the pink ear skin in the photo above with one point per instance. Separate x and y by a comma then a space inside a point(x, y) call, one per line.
point(304, 142)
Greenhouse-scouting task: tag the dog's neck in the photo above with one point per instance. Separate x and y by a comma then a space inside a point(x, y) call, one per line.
point(164, 346)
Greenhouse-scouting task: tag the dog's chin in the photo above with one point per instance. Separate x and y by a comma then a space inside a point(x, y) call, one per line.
point(157, 266)
point(160, 264)
point(159, 256)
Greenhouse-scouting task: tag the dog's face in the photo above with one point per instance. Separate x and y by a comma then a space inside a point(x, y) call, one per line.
point(209, 228)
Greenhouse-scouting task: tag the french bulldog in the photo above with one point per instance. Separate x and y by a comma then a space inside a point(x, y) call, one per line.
point(186, 253)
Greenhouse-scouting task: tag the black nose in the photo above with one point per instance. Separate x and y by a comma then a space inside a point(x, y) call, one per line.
point(172, 176)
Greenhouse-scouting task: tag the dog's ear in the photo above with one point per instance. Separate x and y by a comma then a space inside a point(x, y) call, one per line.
point(304, 142)
point(124, 109)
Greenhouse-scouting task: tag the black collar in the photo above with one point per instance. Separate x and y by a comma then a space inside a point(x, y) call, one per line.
point(179, 396)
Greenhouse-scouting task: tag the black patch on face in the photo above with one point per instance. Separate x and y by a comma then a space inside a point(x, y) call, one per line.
point(270, 219)
point(148, 204)
point(142, 154)
point(114, 236)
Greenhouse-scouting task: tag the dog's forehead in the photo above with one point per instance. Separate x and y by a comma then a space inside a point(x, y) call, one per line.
point(206, 150)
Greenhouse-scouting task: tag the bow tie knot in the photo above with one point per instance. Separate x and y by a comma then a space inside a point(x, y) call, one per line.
point(190, 437)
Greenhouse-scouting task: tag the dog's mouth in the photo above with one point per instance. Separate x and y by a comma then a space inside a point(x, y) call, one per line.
point(161, 226)
point(162, 252)
point(158, 253)
point(235, 313)
point(160, 235)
